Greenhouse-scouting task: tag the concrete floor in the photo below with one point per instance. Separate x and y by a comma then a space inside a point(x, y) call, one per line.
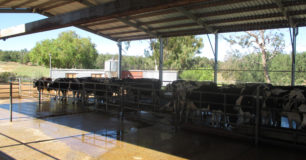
point(96, 135)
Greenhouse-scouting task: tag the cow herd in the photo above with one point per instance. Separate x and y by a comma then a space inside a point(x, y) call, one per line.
point(236, 105)
point(102, 90)
point(225, 106)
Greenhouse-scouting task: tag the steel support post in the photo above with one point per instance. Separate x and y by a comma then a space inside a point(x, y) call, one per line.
point(50, 65)
point(216, 58)
point(161, 55)
point(11, 100)
point(119, 59)
point(293, 43)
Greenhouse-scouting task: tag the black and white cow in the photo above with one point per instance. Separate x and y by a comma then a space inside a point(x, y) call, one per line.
point(60, 85)
point(41, 83)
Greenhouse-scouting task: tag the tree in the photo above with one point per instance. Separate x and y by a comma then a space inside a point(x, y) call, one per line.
point(68, 51)
point(178, 51)
point(279, 68)
point(267, 43)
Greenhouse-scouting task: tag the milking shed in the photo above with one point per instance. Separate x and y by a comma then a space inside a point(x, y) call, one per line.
point(128, 20)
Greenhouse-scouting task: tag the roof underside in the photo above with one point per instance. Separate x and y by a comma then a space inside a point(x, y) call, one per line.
point(164, 18)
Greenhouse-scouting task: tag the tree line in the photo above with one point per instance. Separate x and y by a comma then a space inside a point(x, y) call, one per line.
point(265, 61)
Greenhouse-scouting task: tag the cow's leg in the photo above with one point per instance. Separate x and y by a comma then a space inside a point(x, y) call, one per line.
point(55, 94)
point(58, 95)
point(74, 96)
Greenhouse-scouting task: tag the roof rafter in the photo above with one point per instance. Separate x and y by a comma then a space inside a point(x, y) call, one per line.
point(44, 4)
point(23, 3)
point(85, 2)
point(196, 19)
point(56, 5)
point(113, 28)
point(124, 32)
point(284, 11)
point(138, 26)
point(5, 2)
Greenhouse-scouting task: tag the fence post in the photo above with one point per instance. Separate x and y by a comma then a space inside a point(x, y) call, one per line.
point(224, 103)
point(19, 89)
point(39, 94)
point(106, 99)
point(84, 93)
point(11, 100)
point(121, 102)
point(257, 116)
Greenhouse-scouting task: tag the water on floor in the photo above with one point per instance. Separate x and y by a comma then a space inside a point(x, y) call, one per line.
point(98, 135)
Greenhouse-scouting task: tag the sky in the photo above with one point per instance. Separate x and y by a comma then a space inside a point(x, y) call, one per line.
point(104, 45)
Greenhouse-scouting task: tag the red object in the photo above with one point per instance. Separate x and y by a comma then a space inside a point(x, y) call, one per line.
point(132, 74)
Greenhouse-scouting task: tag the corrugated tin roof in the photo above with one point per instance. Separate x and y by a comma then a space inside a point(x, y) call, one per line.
point(198, 17)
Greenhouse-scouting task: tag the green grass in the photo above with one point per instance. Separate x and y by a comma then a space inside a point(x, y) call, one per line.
point(22, 70)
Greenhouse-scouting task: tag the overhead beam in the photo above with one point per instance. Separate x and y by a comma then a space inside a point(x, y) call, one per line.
point(110, 10)
point(195, 19)
point(138, 26)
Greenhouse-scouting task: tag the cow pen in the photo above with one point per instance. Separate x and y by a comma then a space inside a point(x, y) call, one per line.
point(213, 114)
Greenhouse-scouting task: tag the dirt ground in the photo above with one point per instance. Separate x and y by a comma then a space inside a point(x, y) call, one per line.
point(98, 135)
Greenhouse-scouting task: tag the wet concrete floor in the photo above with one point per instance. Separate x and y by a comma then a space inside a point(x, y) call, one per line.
point(97, 135)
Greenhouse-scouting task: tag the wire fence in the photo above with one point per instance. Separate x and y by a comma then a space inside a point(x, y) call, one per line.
point(234, 76)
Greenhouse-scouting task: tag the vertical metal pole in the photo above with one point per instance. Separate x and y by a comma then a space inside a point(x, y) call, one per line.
point(119, 59)
point(224, 110)
point(257, 117)
point(19, 87)
point(121, 102)
point(295, 33)
point(11, 100)
point(39, 94)
point(216, 58)
point(161, 55)
point(106, 101)
point(50, 65)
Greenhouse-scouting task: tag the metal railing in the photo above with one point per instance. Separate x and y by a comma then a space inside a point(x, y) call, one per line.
point(120, 97)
